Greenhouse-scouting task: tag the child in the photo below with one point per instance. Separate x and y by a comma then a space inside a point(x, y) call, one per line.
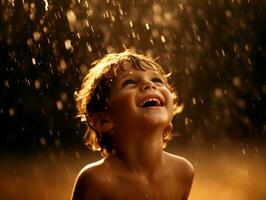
point(128, 105)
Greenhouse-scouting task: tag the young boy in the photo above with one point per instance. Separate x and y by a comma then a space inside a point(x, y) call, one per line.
point(128, 105)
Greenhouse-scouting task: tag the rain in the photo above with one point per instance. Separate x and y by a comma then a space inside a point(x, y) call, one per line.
point(215, 51)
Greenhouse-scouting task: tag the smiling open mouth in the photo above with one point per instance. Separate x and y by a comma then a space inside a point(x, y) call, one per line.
point(151, 102)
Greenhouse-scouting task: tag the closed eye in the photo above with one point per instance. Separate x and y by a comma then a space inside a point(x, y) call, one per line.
point(158, 80)
point(128, 82)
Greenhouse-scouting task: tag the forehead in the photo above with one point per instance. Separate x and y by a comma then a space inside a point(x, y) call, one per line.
point(128, 68)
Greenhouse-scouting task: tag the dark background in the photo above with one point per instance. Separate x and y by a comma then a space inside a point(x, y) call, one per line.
point(215, 50)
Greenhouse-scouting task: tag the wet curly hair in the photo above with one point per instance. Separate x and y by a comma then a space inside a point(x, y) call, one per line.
point(95, 90)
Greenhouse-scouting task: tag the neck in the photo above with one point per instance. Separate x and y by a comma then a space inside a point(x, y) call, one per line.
point(140, 154)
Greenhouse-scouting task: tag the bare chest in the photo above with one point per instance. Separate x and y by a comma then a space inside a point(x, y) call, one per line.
point(132, 189)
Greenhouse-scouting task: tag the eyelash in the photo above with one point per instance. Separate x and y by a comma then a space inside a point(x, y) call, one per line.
point(128, 81)
point(158, 80)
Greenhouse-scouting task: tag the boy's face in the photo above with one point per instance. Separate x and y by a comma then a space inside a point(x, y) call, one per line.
point(140, 99)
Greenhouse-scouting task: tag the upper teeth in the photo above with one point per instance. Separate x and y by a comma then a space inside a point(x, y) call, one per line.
point(150, 99)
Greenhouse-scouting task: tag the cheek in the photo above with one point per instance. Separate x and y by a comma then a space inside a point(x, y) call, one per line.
point(120, 103)
point(170, 101)
point(169, 96)
point(121, 110)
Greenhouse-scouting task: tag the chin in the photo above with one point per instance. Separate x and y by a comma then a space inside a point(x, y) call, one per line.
point(156, 121)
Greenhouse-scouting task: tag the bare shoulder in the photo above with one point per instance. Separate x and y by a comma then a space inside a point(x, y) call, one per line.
point(180, 165)
point(183, 170)
point(92, 169)
point(89, 182)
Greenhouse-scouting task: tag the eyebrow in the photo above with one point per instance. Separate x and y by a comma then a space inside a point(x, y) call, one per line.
point(124, 75)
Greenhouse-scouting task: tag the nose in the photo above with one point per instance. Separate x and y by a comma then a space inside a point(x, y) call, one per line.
point(148, 85)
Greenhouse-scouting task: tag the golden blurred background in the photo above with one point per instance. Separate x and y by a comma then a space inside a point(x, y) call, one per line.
point(224, 173)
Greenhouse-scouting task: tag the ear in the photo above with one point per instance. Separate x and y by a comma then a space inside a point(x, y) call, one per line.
point(101, 122)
